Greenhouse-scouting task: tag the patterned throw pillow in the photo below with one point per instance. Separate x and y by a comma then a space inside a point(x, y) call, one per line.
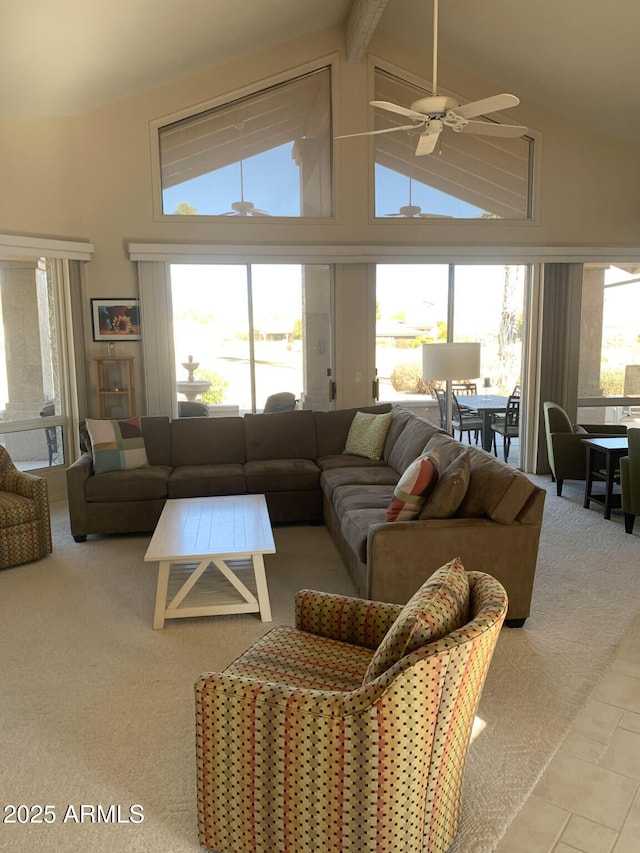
point(440, 606)
point(368, 434)
point(117, 445)
point(412, 489)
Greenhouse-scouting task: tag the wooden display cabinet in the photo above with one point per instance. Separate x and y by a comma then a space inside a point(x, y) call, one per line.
point(115, 387)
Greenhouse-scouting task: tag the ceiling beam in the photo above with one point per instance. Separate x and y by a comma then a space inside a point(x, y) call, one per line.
point(361, 24)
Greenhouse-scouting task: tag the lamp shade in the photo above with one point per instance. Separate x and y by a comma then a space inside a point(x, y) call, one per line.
point(451, 361)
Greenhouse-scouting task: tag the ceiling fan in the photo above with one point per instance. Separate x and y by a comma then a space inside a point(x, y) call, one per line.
point(431, 115)
point(414, 211)
point(242, 207)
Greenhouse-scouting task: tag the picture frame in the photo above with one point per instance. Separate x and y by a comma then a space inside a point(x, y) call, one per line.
point(116, 319)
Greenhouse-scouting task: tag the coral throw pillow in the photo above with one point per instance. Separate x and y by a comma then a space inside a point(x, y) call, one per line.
point(117, 445)
point(412, 489)
point(368, 434)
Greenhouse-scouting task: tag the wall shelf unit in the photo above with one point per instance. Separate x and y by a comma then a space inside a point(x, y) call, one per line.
point(115, 387)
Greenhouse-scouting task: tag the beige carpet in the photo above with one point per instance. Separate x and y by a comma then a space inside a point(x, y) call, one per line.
point(97, 708)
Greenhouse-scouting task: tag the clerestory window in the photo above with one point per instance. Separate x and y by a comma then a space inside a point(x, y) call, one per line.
point(467, 176)
point(266, 154)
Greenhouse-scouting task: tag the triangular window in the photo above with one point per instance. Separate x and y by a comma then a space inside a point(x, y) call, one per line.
point(265, 154)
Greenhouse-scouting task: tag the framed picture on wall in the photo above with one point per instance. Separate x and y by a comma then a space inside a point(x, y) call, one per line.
point(116, 319)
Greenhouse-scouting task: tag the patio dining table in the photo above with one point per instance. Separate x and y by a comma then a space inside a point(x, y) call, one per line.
point(486, 405)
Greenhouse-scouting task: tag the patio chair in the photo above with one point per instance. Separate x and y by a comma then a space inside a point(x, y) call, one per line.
point(465, 420)
point(285, 401)
point(350, 731)
point(507, 425)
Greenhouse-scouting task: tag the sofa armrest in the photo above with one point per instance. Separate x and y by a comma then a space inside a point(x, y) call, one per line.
point(340, 617)
point(402, 555)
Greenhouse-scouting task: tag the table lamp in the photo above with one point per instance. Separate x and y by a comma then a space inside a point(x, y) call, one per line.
point(450, 361)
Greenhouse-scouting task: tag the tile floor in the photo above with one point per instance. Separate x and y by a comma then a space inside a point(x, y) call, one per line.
point(588, 799)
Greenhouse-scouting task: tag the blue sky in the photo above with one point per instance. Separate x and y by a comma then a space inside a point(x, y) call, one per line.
point(266, 176)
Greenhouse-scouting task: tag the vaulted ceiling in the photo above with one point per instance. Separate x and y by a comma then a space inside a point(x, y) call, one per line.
point(577, 57)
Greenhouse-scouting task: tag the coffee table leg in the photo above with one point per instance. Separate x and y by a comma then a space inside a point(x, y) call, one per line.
point(261, 587)
point(161, 595)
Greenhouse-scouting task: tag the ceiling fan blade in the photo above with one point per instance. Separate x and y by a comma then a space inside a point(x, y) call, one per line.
point(487, 105)
point(396, 108)
point(490, 128)
point(376, 132)
point(427, 142)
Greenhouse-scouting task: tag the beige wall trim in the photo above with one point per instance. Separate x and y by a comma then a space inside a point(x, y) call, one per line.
point(28, 247)
point(309, 253)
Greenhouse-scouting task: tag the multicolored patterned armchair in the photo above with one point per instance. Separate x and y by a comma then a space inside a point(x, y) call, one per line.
point(350, 731)
point(25, 524)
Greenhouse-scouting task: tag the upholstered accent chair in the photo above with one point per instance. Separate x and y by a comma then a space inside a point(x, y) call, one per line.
point(566, 452)
point(630, 480)
point(25, 525)
point(350, 731)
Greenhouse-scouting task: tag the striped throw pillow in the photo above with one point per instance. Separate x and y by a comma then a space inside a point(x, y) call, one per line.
point(412, 489)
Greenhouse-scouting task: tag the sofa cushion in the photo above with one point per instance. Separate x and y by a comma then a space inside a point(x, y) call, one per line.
point(347, 460)
point(281, 475)
point(367, 435)
point(349, 497)
point(440, 606)
point(495, 490)
point(367, 475)
point(207, 441)
point(451, 459)
point(194, 481)
point(411, 442)
point(280, 435)
point(355, 524)
point(332, 428)
point(117, 445)
point(412, 489)
point(141, 484)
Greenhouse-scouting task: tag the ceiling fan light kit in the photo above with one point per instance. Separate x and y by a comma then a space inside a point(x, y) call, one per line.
point(434, 113)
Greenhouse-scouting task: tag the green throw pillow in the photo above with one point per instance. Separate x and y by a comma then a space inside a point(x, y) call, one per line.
point(368, 434)
point(117, 445)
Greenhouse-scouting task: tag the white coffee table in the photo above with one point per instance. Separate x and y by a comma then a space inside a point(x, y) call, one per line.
point(210, 553)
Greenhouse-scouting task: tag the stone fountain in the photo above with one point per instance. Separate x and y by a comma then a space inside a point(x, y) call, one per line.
point(191, 388)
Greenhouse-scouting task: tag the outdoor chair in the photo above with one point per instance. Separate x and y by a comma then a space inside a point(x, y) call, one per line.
point(350, 731)
point(25, 525)
point(507, 425)
point(465, 420)
point(192, 409)
point(285, 401)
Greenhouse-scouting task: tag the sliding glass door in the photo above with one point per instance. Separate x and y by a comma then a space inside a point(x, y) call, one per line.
point(253, 330)
point(426, 303)
point(35, 346)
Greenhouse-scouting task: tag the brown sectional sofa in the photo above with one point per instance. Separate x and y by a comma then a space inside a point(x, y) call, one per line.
point(480, 509)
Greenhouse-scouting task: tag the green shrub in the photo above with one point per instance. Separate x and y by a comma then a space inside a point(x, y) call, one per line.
point(406, 377)
point(219, 386)
point(612, 381)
